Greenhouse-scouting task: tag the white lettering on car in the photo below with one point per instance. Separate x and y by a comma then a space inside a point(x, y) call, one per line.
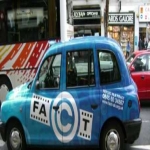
point(40, 108)
point(40, 111)
point(113, 99)
point(86, 119)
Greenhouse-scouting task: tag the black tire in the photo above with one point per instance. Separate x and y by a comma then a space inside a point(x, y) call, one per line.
point(5, 81)
point(115, 129)
point(17, 128)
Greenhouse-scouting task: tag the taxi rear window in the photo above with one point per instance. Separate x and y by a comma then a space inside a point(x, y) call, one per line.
point(109, 69)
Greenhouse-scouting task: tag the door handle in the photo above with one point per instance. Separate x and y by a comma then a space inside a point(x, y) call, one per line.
point(94, 106)
point(56, 107)
point(142, 77)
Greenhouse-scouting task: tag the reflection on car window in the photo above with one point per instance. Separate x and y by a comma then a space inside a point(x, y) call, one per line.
point(109, 70)
point(49, 74)
point(79, 68)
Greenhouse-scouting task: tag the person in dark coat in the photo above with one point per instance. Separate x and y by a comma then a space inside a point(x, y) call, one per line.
point(140, 44)
point(145, 43)
point(128, 49)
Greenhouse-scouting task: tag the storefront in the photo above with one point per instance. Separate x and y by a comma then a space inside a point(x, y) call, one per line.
point(121, 28)
point(87, 20)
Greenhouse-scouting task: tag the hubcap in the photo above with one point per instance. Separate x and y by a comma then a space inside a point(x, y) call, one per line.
point(15, 139)
point(112, 140)
point(3, 91)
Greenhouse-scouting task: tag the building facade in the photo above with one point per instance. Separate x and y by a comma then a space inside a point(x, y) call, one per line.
point(128, 19)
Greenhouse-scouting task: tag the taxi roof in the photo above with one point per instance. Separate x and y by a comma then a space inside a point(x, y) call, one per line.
point(81, 42)
point(87, 39)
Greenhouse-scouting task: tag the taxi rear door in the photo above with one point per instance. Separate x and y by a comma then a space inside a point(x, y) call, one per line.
point(81, 104)
point(140, 75)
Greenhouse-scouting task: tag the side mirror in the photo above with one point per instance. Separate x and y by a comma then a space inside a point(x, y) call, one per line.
point(37, 85)
point(132, 68)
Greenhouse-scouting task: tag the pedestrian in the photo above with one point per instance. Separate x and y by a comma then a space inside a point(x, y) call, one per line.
point(140, 44)
point(145, 43)
point(148, 47)
point(128, 48)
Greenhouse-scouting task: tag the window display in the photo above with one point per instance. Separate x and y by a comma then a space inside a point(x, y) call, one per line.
point(122, 34)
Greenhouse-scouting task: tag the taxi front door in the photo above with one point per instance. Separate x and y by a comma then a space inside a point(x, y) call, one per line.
point(42, 108)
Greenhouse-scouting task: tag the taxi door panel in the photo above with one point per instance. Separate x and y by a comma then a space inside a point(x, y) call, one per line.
point(81, 104)
point(40, 113)
point(140, 80)
point(140, 75)
point(42, 107)
point(81, 116)
point(148, 78)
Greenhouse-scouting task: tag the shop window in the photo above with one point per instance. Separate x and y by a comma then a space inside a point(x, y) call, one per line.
point(122, 34)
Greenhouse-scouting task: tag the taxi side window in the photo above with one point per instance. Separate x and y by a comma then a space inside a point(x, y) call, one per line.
point(79, 68)
point(49, 74)
point(109, 70)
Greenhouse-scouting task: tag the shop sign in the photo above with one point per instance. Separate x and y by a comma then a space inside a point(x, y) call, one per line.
point(86, 14)
point(121, 18)
point(144, 13)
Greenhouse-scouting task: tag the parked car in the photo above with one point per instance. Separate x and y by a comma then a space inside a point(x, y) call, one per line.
point(75, 99)
point(139, 66)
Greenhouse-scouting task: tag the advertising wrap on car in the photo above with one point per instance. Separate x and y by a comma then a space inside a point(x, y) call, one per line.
point(81, 95)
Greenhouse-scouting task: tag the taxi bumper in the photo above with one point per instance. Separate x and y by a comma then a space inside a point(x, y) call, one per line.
point(132, 129)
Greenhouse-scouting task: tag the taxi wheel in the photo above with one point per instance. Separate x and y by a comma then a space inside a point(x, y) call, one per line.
point(112, 137)
point(15, 136)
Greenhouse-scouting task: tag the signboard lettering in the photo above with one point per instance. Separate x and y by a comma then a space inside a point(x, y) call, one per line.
point(86, 14)
point(121, 18)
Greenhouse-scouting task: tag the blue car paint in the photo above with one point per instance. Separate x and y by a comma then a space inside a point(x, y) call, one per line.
point(18, 102)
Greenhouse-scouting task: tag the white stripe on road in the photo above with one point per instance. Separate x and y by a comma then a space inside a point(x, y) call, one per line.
point(146, 147)
point(145, 121)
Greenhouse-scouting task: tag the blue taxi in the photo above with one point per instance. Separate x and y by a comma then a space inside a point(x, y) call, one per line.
point(82, 95)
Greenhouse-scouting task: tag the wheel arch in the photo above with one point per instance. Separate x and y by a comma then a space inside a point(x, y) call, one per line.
point(7, 78)
point(113, 119)
point(13, 119)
